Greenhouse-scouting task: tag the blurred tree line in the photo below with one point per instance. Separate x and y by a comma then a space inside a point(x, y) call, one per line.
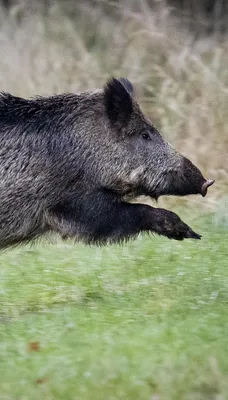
point(210, 15)
point(206, 6)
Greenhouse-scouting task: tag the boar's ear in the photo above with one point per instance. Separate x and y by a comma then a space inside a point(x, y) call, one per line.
point(127, 85)
point(118, 100)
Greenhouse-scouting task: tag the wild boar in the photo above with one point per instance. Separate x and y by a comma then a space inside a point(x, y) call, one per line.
point(68, 162)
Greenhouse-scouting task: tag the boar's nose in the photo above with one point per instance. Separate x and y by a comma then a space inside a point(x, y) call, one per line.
point(206, 185)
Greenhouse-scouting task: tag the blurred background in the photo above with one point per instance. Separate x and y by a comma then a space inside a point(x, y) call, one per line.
point(147, 320)
point(175, 52)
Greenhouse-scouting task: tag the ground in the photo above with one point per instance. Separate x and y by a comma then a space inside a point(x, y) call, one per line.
point(147, 320)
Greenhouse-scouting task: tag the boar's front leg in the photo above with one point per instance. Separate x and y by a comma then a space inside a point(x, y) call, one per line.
point(131, 219)
point(166, 223)
point(108, 220)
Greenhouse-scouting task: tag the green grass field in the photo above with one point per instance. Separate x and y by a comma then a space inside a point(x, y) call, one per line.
point(146, 321)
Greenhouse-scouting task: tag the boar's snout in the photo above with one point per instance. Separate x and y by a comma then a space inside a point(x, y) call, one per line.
point(206, 185)
point(194, 179)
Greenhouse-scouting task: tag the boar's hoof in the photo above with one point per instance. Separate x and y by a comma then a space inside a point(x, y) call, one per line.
point(206, 185)
point(192, 235)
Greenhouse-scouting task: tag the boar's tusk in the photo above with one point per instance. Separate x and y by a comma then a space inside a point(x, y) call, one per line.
point(206, 185)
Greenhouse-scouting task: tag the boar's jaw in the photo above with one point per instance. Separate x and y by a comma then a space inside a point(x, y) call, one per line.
point(181, 187)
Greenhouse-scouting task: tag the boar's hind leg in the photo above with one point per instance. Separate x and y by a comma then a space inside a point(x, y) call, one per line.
point(108, 220)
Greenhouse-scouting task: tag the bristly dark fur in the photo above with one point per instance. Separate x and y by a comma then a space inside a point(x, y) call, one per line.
point(66, 167)
point(15, 109)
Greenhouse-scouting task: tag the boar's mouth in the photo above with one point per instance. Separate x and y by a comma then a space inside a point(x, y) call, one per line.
point(181, 180)
point(172, 184)
point(184, 189)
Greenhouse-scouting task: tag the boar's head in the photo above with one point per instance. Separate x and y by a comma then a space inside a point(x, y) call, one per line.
point(139, 160)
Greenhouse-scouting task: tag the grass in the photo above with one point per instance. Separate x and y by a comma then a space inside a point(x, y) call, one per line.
point(144, 321)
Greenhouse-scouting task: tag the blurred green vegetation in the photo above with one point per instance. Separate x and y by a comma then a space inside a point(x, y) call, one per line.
point(144, 321)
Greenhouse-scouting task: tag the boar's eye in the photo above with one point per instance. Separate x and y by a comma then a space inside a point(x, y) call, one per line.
point(146, 136)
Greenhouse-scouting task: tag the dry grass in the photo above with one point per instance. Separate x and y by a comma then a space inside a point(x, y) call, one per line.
point(181, 82)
